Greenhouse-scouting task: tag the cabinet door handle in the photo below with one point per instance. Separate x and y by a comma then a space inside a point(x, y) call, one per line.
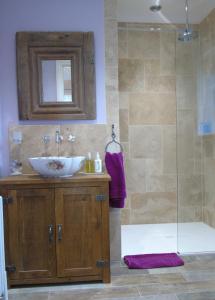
point(59, 232)
point(51, 233)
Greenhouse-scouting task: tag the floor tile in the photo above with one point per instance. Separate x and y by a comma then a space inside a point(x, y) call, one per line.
point(117, 292)
point(203, 275)
point(195, 280)
point(124, 280)
point(166, 297)
point(197, 296)
point(73, 295)
point(28, 296)
point(176, 288)
point(166, 270)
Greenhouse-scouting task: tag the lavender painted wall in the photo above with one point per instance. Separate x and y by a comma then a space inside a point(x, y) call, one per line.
point(46, 15)
point(1, 139)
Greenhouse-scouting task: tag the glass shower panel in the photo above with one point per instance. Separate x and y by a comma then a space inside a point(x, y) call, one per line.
point(190, 193)
point(206, 127)
point(194, 233)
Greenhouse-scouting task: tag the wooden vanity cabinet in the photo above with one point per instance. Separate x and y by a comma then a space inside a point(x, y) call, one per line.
point(56, 230)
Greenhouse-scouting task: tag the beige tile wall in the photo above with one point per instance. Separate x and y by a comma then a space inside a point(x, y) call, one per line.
point(207, 35)
point(112, 107)
point(153, 71)
point(148, 123)
point(88, 138)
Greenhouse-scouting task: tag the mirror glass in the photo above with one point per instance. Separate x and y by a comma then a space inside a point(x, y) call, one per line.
point(56, 80)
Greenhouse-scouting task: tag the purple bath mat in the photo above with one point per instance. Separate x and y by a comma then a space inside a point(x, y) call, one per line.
point(150, 261)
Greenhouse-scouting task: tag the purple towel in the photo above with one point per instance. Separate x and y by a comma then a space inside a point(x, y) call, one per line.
point(117, 188)
point(150, 261)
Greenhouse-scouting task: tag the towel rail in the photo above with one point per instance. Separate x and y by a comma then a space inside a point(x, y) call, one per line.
point(113, 141)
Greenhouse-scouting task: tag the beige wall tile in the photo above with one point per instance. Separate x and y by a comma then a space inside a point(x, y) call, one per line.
point(154, 207)
point(150, 108)
point(189, 215)
point(135, 175)
point(209, 216)
point(154, 166)
point(209, 165)
point(145, 141)
point(123, 43)
point(112, 108)
point(152, 67)
point(186, 92)
point(128, 201)
point(190, 190)
point(110, 9)
point(123, 123)
point(167, 53)
point(160, 84)
point(161, 183)
point(111, 41)
point(111, 81)
point(131, 75)
point(126, 149)
point(125, 216)
point(185, 141)
point(124, 100)
point(143, 44)
point(184, 59)
point(169, 149)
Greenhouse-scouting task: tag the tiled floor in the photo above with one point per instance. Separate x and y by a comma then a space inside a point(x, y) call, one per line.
point(193, 281)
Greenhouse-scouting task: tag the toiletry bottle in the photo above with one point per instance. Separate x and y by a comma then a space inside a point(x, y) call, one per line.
point(89, 164)
point(98, 163)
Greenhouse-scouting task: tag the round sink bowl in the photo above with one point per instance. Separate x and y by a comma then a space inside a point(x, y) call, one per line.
point(57, 166)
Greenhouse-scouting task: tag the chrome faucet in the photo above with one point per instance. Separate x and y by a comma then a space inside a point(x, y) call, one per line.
point(71, 138)
point(58, 137)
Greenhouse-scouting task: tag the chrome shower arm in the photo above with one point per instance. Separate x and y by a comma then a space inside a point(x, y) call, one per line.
point(187, 17)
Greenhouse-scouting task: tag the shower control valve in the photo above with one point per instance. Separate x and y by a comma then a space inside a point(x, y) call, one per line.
point(71, 138)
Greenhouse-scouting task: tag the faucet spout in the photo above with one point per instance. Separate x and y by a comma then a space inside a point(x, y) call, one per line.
point(58, 137)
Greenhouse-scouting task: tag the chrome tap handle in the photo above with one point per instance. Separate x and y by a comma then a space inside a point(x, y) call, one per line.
point(58, 137)
point(71, 138)
point(46, 139)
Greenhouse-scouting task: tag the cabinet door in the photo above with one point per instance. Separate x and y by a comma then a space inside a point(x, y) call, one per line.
point(78, 230)
point(31, 237)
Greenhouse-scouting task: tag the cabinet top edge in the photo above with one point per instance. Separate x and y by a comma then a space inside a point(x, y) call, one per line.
point(33, 178)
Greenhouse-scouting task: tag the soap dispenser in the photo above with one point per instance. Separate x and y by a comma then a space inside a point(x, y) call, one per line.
point(98, 163)
point(89, 164)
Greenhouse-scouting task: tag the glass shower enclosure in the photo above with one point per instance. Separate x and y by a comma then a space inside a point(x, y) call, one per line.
point(195, 128)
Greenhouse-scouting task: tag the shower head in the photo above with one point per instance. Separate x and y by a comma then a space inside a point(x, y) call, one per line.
point(187, 35)
point(156, 7)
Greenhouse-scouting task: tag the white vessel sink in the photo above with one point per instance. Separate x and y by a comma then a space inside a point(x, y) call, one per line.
point(57, 166)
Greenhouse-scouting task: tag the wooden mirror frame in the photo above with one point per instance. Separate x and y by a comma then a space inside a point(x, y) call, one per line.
point(31, 49)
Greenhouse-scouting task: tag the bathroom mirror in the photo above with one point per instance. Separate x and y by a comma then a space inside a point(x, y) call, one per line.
point(56, 80)
point(55, 75)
